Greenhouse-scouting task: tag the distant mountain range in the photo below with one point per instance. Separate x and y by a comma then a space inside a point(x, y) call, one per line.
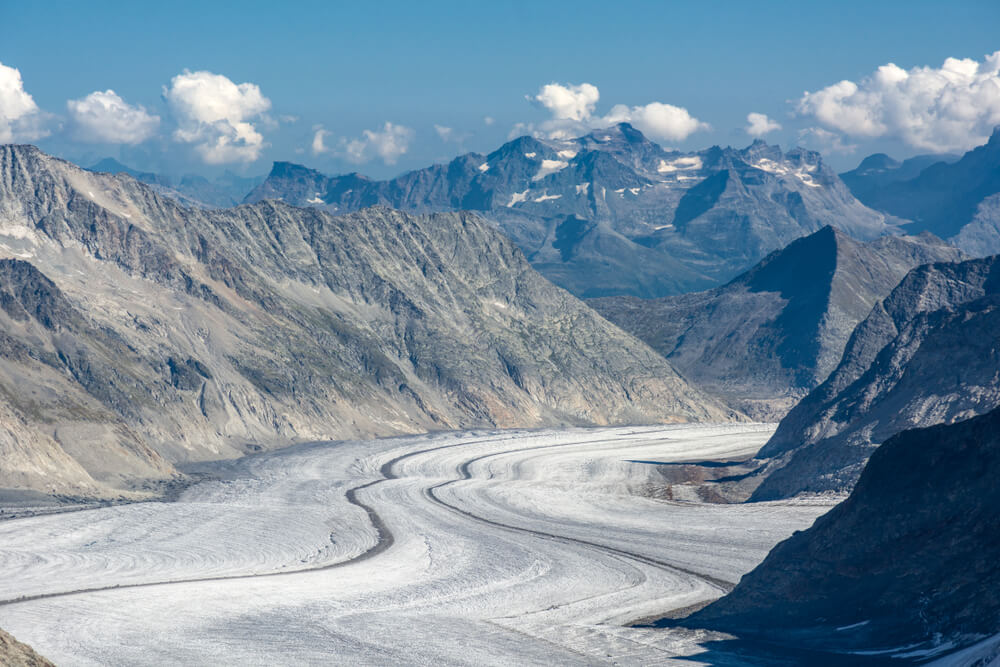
point(612, 212)
point(929, 353)
point(766, 338)
point(956, 199)
point(229, 189)
point(904, 568)
point(136, 333)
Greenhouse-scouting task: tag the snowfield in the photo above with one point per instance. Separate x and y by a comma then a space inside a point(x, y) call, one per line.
point(487, 547)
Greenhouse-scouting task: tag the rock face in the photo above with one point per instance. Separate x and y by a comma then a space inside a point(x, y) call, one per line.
point(958, 201)
point(907, 562)
point(877, 171)
point(766, 338)
point(229, 189)
point(136, 333)
point(612, 212)
point(15, 654)
point(929, 353)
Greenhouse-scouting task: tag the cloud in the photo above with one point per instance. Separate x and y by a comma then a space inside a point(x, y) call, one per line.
point(489, 120)
point(446, 133)
point(318, 143)
point(825, 140)
point(759, 124)
point(568, 102)
point(389, 144)
point(572, 108)
point(952, 107)
point(658, 120)
point(104, 117)
point(20, 117)
point(214, 115)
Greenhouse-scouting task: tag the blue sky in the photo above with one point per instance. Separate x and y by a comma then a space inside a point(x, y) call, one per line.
point(344, 68)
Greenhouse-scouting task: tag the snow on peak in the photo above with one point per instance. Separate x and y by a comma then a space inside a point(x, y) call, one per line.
point(549, 167)
point(803, 173)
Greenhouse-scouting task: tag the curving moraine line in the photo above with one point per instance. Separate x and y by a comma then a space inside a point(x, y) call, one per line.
point(386, 539)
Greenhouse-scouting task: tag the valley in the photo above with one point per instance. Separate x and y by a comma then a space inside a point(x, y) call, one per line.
point(485, 547)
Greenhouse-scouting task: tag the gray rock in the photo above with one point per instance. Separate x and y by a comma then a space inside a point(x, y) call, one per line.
point(907, 562)
point(612, 212)
point(138, 334)
point(955, 199)
point(928, 353)
point(765, 339)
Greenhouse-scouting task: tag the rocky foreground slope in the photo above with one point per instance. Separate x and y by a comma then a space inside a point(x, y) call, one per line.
point(766, 338)
point(136, 333)
point(929, 353)
point(15, 654)
point(907, 564)
point(612, 212)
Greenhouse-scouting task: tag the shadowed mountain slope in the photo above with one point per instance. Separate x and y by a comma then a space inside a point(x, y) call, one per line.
point(929, 353)
point(769, 336)
point(906, 566)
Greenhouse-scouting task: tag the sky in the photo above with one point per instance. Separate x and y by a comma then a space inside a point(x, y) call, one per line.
point(384, 87)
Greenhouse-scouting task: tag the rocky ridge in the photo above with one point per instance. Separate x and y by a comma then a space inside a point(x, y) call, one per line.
point(766, 338)
point(139, 334)
point(612, 212)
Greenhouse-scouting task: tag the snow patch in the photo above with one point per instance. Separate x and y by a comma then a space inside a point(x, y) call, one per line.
point(484, 166)
point(518, 197)
point(582, 188)
point(804, 174)
point(567, 155)
point(634, 191)
point(530, 155)
point(547, 197)
point(549, 167)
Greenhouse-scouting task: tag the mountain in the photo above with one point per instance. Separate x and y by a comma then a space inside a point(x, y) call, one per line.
point(766, 338)
point(879, 170)
point(958, 201)
point(929, 353)
point(226, 190)
point(612, 212)
point(906, 566)
point(136, 334)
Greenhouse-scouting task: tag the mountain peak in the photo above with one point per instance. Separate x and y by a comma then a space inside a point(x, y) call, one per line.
point(995, 136)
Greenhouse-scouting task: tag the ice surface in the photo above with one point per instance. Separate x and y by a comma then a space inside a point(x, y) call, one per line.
point(485, 547)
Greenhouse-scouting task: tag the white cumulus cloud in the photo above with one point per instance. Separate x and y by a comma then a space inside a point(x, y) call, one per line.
point(104, 117)
point(568, 102)
point(572, 108)
point(947, 108)
point(214, 114)
point(759, 124)
point(20, 117)
point(388, 144)
point(658, 120)
point(319, 141)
